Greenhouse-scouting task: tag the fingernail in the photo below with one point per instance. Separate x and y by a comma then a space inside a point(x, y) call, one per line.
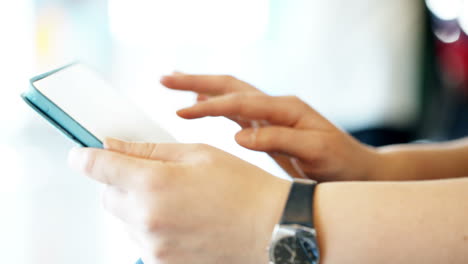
point(78, 158)
point(177, 73)
point(108, 142)
point(253, 135)
point(166, 78)
point(255, 124)
point(202, 97)
point(245, 137)
point(113, 143)
point(183, 112)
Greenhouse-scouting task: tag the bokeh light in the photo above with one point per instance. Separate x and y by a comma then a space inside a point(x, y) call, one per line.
point(203, 22)
point(445, 9)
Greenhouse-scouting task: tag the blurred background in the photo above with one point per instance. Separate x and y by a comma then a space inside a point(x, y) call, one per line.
point(386, 71)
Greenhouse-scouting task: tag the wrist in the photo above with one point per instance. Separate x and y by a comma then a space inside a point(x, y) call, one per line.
point(368, 161)
point(272, 198)
point(281, 189)
point(389, 163)
point(296, 227)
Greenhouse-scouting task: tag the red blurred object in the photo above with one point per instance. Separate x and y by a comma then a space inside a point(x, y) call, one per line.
point(453, 58)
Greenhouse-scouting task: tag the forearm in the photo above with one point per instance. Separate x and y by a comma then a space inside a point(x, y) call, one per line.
point(422, 161)
point(406, 222)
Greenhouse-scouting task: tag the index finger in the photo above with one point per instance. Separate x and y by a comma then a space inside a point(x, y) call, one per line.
point(116, 169)
point(284, 110)
point(206, 84)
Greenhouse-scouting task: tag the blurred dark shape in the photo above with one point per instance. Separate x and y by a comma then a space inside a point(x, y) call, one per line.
point(381, 136)
point(444, 89)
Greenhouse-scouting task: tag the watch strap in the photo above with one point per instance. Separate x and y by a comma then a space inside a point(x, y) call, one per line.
point(298, 209)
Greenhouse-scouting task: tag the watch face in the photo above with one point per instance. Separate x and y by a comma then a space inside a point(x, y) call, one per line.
point(294, 250)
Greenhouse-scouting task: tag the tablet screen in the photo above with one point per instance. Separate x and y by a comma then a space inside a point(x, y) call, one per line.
point(97, 106)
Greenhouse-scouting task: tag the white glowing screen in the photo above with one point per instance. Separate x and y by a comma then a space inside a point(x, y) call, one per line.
point(99, 108)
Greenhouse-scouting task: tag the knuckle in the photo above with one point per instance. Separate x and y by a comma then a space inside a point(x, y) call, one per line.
point(143, 150)
point(200, 147)
point(230, 83)
point(152, 221)
point(262, 138)
point(295, 100)
point(298, 109)
point(242, 103)
point(229, 78)
point(162, 252)
point(149, 150)
point(318, 150)
point(160, 179)
point(239, 96)
point(152, 224)
point(147, 180)
point(199, 152)
point(251, 96)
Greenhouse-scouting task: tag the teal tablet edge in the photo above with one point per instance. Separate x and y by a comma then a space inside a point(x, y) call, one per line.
point(56, 116)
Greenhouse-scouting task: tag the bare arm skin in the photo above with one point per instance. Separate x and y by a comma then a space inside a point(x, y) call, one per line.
point(390, 222)
point(323, 151)
point(422, 161)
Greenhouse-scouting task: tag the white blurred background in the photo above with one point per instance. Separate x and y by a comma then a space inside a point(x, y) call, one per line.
point(356, 61)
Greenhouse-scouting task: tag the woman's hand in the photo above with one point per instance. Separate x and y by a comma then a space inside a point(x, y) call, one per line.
point(187, 203)
point(284, 127)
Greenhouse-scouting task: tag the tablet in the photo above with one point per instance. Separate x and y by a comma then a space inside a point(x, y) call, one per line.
point(84, 107)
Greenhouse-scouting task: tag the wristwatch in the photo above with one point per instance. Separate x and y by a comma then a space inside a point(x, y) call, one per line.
point(294, 239)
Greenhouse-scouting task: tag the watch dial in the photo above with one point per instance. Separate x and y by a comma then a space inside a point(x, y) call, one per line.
point(289, 250)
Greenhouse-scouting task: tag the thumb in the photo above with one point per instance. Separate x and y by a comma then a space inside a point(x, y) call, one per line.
point(140, 150)
point(108, 167)
point(149, 151)
point(290, 141)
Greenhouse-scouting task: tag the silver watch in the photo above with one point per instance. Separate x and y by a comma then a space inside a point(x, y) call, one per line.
point(294, 239)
